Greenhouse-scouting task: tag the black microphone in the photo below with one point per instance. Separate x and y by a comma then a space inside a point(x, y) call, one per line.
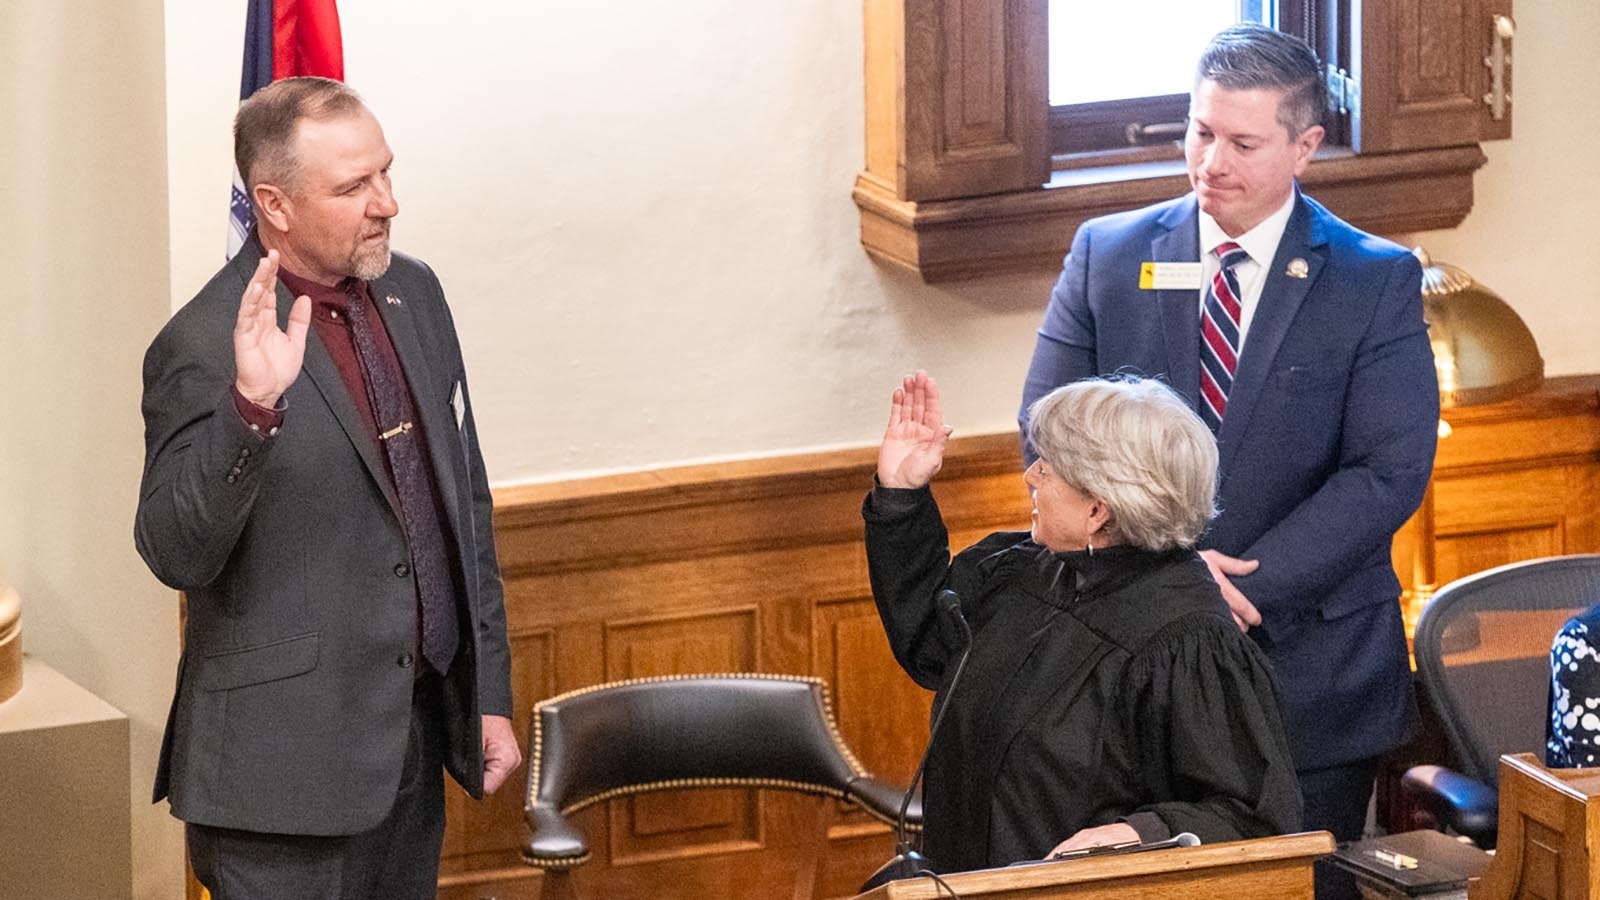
point(908, 863)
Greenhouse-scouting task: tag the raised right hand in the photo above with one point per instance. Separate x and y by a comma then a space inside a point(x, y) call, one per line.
point(266, 358)
point(913, 445)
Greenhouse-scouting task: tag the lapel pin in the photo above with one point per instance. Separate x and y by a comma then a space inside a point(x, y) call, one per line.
point(392, 300)
point(1298, 268)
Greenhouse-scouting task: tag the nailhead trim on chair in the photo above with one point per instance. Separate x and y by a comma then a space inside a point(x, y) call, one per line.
point(545, 862)
point(536, 751)
point(803, 787)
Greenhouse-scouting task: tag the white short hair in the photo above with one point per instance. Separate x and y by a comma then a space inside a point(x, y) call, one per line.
point(1136, 446)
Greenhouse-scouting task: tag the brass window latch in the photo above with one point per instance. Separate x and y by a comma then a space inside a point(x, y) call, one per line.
point(1499, 62)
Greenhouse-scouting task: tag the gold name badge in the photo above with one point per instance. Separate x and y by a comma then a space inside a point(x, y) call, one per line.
point(1169, 276)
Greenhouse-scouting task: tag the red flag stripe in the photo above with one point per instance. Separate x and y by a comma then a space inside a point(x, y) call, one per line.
point(306, 39)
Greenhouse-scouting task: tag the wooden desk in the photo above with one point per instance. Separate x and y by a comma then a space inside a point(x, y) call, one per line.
point(1277, 868)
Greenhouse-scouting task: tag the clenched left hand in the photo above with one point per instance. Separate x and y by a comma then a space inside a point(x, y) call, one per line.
point(501, 755)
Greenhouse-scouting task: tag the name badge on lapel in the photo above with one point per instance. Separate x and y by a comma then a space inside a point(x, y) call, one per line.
point(1169, 276)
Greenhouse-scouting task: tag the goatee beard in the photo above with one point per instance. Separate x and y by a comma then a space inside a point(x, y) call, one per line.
point(370, 265)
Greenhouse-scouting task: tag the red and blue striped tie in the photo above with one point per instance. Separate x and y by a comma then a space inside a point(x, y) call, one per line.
point(1219, 336)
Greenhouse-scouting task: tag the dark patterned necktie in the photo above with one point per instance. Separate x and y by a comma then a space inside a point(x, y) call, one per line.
point(1219, 336)
point(397, 433)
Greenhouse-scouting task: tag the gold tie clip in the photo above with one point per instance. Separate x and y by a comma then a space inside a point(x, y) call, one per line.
point(402, 428)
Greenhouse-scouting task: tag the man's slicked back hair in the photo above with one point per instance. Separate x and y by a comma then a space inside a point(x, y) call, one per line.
point(1255, 57)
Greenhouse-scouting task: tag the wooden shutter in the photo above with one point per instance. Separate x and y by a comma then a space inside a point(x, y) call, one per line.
point(957, 98)
point(1422, 73)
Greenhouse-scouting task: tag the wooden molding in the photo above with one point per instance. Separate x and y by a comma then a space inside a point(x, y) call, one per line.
point(747, 506)
point(958, 184)
point(760, 564)
point(1555, 425)
point(1513, 480)
point(1030, 230)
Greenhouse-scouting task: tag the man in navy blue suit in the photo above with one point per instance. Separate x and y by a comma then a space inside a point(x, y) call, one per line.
point(1301, 340)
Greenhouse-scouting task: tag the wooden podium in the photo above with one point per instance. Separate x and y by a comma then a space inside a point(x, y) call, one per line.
point(1277, 868)
point(1549, 834)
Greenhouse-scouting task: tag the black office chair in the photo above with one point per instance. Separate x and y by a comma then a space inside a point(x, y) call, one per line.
point(681, 732)
point(1483, 654)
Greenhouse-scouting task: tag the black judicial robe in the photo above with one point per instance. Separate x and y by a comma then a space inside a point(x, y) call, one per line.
point(1103, 688)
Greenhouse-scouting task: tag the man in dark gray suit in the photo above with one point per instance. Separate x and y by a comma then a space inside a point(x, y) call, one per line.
point(313, 483)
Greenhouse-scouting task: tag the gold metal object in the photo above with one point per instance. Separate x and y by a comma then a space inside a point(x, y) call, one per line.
point(1139, 134)
point(402, 428)
point(1483, 353)
point(10, 643)
point(1498, 61)
point(1481, 349)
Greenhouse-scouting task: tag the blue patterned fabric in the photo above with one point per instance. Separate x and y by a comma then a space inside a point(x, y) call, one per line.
point(1573, 738)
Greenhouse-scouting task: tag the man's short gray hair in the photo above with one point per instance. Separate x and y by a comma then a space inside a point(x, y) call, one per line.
point(1251, 57)
point(264, 128)
point(1137, 447)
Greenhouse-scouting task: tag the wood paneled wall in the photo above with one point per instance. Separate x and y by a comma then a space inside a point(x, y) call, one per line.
point(1513, 481)
point(758, 565)
point(746, 566)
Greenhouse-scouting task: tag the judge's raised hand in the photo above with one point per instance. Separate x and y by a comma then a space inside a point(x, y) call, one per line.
point(267, 358)
point(913, 444)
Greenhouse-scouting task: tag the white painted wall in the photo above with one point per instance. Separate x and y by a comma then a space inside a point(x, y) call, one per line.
point(641, 213)
point(1534, 233)
point(83, 258)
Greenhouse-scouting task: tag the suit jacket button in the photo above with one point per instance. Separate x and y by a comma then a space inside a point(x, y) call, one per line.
point(406, 660)
point(402, 570)
point(232, 478)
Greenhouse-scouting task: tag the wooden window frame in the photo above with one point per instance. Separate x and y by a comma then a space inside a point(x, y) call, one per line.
point(960, 181)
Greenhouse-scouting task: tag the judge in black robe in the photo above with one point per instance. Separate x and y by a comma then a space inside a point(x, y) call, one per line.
point(1109, 694)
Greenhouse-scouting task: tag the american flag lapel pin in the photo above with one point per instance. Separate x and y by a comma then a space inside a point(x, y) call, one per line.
point(392, 300)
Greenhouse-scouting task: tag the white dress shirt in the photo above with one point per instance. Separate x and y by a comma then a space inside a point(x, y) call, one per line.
point(1261, 242)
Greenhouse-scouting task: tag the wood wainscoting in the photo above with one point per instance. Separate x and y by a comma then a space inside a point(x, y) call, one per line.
point(1513, 481)
point(758, 565)
point(744, 566)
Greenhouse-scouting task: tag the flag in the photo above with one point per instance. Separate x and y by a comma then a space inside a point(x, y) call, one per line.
point(282, 38)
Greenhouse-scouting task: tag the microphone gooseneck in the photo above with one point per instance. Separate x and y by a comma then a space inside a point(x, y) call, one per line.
point(908, 863)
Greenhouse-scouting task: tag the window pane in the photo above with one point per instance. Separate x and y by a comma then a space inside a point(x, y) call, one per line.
point(1114, 50)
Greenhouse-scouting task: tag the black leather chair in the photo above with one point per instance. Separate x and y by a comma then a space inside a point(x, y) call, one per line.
point(689, 731)
point(1483, 654)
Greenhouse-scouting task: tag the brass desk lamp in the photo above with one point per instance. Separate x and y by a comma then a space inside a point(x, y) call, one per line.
point(1483, 354)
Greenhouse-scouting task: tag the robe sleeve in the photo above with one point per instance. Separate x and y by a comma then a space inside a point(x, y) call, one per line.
point(909, 562)
point(1207, 736)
